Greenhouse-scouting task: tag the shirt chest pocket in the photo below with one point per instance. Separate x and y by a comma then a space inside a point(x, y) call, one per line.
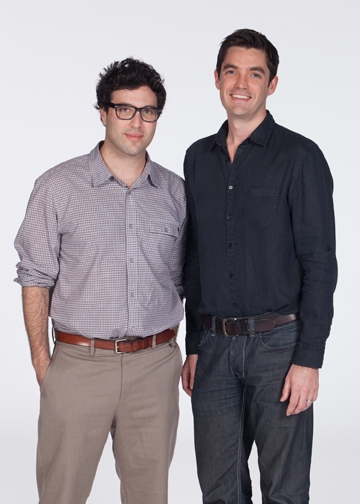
point(161, 237)
point(164, 228)
point(261, 206)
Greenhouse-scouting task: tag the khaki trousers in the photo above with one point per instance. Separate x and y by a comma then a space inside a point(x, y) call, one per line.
point(88, 393)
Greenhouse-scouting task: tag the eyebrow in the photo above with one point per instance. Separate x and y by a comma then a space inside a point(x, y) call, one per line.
point(252, 69)
point(257, 69)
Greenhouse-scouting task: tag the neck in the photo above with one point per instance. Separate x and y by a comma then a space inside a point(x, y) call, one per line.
point(240, 130)
point(124, 167)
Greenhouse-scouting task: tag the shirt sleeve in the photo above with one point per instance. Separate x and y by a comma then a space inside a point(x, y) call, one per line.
point(192, 276)
point(38, 239)
point(178, 253)
point(312, 213)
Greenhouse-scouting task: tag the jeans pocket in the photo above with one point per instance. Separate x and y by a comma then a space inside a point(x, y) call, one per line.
point(203, 335)
point(282, 337)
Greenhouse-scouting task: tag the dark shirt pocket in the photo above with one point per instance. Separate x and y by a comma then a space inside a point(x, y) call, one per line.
point(261, 206)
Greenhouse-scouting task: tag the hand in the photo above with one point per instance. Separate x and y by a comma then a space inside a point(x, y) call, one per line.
point(40, 370)
point(301, 386)
point(188, 373)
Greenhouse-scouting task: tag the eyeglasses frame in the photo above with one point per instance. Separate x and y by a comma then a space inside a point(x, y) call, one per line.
point(115, 106)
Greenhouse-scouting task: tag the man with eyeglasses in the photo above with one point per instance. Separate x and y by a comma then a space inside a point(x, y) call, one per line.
point(101, 250)
point(259, 282)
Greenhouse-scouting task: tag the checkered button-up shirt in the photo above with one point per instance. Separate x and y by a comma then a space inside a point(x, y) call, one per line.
point(113, 255)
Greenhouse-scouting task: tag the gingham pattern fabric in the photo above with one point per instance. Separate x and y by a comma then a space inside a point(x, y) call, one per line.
point(112, 254)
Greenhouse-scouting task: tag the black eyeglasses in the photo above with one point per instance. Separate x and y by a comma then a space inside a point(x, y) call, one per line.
point(125, 112)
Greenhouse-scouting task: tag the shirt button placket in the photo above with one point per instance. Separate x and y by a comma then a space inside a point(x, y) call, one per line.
point(131, 254)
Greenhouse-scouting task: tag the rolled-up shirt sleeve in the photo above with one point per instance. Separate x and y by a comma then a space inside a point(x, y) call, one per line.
point(38, 239)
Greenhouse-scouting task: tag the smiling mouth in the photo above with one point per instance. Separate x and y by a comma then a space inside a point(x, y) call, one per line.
point(241, 97)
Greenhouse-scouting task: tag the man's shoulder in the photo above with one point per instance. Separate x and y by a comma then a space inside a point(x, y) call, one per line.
point(63, 170)
point(292, 138)
point(166, 175)
point(201, 145)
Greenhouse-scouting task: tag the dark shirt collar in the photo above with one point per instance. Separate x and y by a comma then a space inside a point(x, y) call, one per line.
point(260, 135)
point(101, 174)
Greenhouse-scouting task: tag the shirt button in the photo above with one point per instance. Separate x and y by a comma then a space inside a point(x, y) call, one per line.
point(131, 260)
point(130, 226)
point(235, 305)
point(230, 245)
point(131, 294)
point(166, 230)
point(229, 216)
point(231, 187)
point(231, 275)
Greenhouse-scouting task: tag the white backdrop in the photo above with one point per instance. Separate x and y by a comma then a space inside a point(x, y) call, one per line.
point(52, 53)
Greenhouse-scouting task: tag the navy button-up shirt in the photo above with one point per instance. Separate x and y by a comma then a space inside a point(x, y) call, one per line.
point(261, 234)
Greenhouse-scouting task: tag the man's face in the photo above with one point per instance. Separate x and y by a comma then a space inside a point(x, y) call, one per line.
point(244, 83)
point(132, 137)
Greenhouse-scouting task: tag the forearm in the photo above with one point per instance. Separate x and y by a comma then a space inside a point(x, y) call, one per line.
point(36, 315)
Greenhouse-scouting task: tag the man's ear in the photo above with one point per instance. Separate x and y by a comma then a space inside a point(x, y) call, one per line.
point(103, 116)
point(217, 80)
point(272, 86)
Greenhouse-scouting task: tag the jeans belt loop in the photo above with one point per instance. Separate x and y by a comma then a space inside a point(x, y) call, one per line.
point(213, 326)
point(250, 321)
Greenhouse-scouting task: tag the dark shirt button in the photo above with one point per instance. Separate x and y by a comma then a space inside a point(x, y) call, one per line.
point(235, 305)
point(231, 275)
point(328, 247)
point(229, 216)
point(230, 245)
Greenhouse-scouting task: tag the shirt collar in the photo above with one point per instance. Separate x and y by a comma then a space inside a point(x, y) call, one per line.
point(98, 169)
point(260, 135)
point(101, 174)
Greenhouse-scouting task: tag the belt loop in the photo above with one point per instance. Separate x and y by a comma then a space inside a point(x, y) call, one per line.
point(153, 341)
point(213, 326)
point(251, 326)
point(92, 348)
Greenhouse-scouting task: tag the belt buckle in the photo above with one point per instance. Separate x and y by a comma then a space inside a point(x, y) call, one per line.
point(120, 340)
point(224, 322)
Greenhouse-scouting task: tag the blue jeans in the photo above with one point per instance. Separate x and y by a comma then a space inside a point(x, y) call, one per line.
point(238, 385)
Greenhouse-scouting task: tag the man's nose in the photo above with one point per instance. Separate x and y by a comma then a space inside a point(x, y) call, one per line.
point(136, 120)
point(241, 81)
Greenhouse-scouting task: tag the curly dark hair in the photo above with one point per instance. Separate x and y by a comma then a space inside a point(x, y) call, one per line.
point(249, 39)
point(128, 74)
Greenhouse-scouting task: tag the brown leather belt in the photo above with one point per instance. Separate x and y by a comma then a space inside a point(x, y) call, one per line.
point(119, 346)
point(239, 326)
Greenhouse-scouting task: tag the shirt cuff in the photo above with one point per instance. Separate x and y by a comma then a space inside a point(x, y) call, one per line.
point(311, 356)
point(192, 343)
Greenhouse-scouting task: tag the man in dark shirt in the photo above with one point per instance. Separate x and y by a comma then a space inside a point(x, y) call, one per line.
point(259, 281)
